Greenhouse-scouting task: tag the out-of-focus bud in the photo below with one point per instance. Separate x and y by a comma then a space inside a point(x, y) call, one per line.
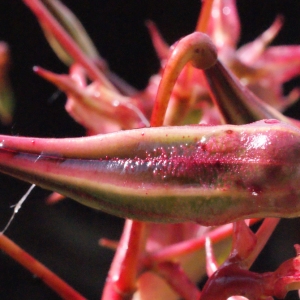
point(262, 68)
point(7, 102)
point(97, 108)
point(73, 27)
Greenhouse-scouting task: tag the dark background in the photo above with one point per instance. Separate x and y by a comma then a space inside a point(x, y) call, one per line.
point(64, 236)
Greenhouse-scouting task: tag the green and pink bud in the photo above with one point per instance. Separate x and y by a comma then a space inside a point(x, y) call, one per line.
point(210, 175)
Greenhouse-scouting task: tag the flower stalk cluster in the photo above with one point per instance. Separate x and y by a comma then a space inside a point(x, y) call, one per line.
point(174, 159)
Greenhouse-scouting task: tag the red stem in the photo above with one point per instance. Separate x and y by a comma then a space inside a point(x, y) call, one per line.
point(178, 280)
point(192, 245)
point(196, 48)
point(38, 269)
point(263, 234)
point(204, 15)
point(121, 280)
point(211, 262)
point(67, 42)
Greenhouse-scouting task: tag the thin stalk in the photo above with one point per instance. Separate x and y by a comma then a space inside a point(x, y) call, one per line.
point(38, 269)
point(121, 280)
point(192, 245)
point(204, 15)
point(196, 48)
point(67, 42)
point(211, 262)
point(202, 25)
point(175, 276)
point(263, 234)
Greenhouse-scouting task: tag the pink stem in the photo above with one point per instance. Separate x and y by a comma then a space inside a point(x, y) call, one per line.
point(161, 47)
point(196, 48)
point(211, 262)
point(263, 234)
point(121, 280)
point(178, 280)
point(204, 15)
point(192, 245)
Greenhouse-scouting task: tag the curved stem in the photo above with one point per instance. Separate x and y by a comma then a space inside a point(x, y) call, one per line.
point(196, 48)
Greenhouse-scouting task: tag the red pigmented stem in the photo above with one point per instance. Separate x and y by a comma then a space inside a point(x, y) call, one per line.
point(161, 47)
point(121, 280)
point(262, 235)
point(67, 42)
point(196, 48)
point(187, 247)
point(243, 243)
point(38, 269)
point(178, 280)
point(192, 245)
point(204, 15)
point(211, 262)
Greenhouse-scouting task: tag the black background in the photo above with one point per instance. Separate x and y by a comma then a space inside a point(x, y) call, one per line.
point(64, 236)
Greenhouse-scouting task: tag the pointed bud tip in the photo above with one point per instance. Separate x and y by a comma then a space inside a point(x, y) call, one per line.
point(36, 69)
